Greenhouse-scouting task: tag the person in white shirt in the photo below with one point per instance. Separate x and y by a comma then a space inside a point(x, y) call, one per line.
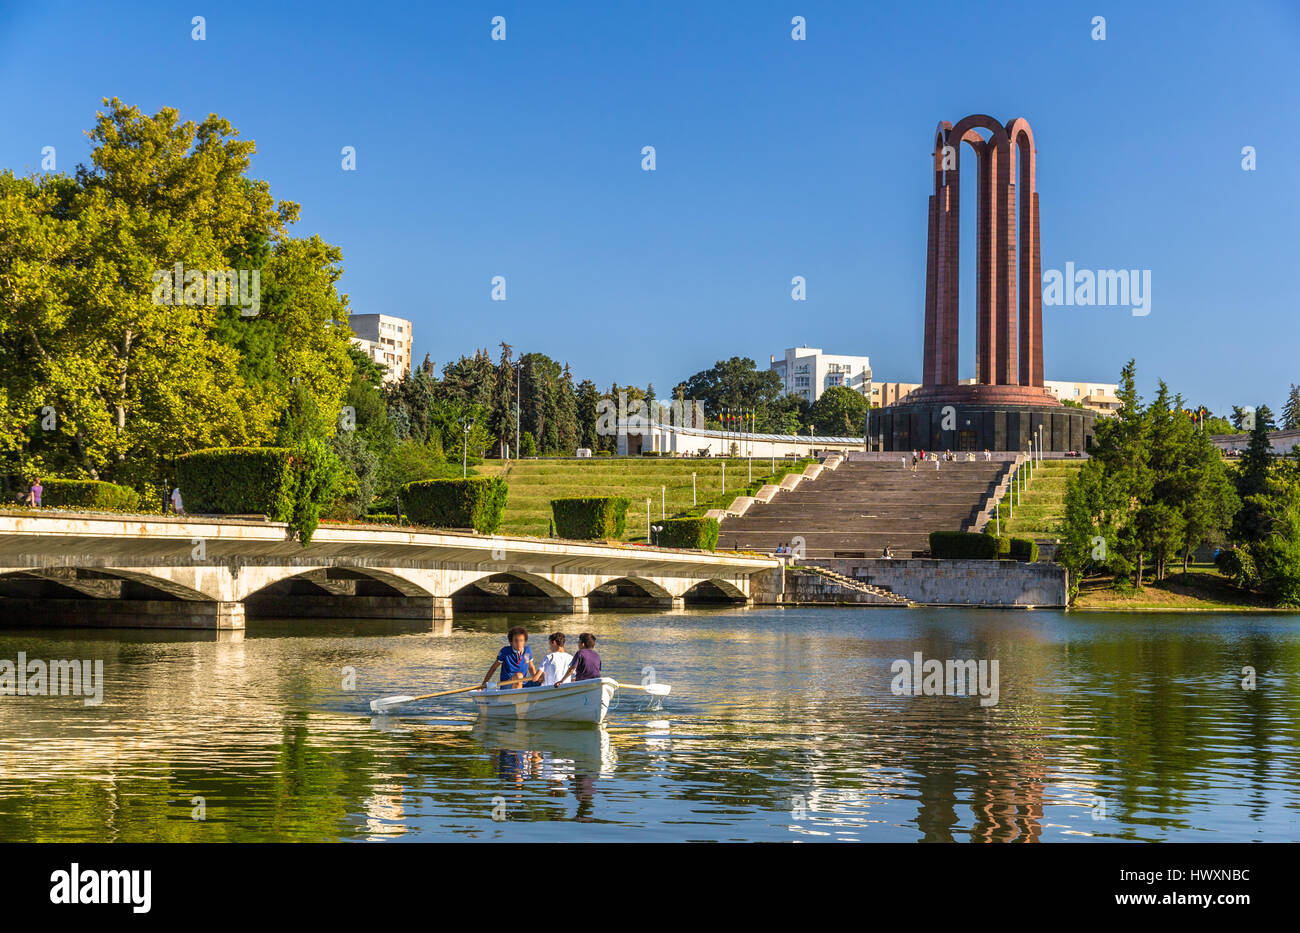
point(557, 662)
point(177, 506)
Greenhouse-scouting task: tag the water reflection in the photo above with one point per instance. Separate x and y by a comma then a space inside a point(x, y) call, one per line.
point(781, 725)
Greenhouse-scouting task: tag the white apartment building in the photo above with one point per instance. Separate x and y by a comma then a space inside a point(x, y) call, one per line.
point(386, 340)
point(808, 372)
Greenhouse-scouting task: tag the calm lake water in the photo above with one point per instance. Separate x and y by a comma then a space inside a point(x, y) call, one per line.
point(782, 725)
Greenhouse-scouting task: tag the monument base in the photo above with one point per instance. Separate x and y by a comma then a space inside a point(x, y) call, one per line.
point(980, 417)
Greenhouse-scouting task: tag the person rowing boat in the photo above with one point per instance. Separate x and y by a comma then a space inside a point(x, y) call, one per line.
point(586, 663)
point(515, 661)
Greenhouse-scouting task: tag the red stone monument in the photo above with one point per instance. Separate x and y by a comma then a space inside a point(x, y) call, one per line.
point(1007, 404)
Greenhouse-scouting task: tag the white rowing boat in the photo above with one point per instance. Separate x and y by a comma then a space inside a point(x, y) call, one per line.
point(582, 701)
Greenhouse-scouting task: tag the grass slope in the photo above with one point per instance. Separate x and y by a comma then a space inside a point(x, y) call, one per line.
point(1042, 507)
point(534, 483)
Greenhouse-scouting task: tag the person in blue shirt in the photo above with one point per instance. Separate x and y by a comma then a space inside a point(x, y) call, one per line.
point(515, 661)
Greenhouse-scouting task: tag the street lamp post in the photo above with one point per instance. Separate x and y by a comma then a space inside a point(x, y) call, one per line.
point(656, 529)
point(693, 503)
point(466, 425)
point(647, 519)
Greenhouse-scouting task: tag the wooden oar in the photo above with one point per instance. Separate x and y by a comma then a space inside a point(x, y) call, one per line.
point(384, 704)
point(659, 690)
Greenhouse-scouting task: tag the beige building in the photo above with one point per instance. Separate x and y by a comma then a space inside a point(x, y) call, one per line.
point(386, 340)
point(1098, 396)
point(884, 394)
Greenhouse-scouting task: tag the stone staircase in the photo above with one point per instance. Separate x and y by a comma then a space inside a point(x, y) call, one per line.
point(861, 506)
point(847, 589)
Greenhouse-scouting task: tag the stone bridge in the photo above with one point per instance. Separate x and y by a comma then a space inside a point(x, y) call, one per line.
point(195, 572)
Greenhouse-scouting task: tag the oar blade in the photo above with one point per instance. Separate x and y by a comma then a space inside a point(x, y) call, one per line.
point(384, 704)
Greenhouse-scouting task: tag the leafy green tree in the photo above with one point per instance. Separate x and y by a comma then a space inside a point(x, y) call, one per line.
point(840, 411)
point(733, 385)
point(137, 375)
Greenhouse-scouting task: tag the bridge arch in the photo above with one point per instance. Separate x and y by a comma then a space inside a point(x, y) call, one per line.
point(94, 583)
point(629, 592)
point(515, 591)
point(715, 590)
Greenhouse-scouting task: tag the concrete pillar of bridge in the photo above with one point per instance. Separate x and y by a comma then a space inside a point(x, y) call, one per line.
point(577, 605)
point(679, 602)
point(229, 615)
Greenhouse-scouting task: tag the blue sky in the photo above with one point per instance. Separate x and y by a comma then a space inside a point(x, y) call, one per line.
point(775, 158)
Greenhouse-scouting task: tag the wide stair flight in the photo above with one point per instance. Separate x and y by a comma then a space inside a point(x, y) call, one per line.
point(865, 505)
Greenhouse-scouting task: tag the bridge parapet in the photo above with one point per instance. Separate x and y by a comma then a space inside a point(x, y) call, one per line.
point(80, 568)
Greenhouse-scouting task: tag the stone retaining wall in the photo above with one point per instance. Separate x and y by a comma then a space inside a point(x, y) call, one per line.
point(960, 582)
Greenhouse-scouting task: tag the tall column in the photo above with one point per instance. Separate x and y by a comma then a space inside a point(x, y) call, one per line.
point(985, 272)
point(1007, 368)
point(930, 355)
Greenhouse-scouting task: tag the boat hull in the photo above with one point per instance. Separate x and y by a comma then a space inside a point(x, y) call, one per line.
point(584, 701)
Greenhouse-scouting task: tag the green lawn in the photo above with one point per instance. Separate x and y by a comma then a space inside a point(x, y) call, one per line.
point(534, 483)
point(1042, 507)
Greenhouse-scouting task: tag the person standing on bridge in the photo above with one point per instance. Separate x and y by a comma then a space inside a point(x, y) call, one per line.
point(515, 661)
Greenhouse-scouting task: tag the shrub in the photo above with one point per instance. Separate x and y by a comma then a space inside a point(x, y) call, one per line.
point(1238, 565)
point(284, 484)
point(590, 518)
point(1025, 549)
point(238, 481)
point(699, 533)
point(477, 502)
point(89, 494)
point(527, 446)
point(964, 545)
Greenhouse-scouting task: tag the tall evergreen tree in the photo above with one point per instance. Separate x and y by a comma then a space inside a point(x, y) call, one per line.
point(502, 422)
point(1251, 524)
point(566, 414)
point(587, 398)
point(1123, 447)
point(1291, 410)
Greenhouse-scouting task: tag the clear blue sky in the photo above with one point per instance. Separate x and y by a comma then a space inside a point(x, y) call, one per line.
point(775, 158)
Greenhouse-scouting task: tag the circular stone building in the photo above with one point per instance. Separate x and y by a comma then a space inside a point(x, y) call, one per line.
point(1007, 406)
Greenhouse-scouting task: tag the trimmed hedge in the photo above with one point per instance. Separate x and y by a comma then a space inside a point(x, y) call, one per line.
point(89, 494)
point(285, 484)
point(1025, 549)
point(590, 518)
point(965, 545)
point(477, 502)
point(699, 533)
point(238, 481)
